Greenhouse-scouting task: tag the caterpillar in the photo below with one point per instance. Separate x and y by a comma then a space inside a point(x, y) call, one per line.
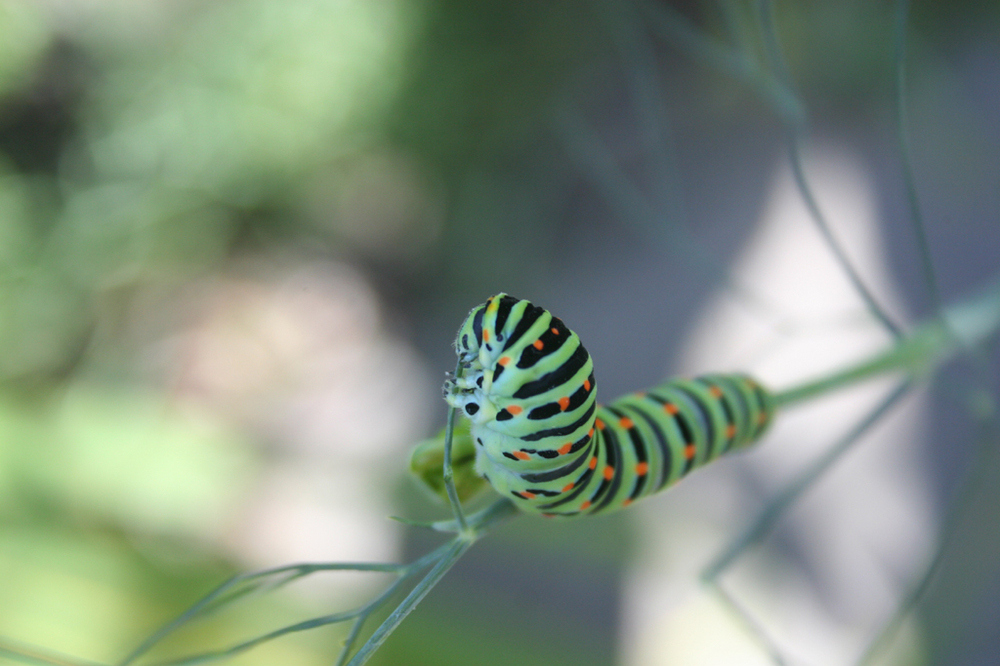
point(526, 383)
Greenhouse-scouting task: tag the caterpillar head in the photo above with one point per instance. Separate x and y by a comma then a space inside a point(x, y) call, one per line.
point(477, 345)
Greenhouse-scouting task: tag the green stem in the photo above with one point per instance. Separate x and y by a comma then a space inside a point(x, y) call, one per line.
point(744, 617)
point(482, 520)
point(457, 548)
point(765, 522)
point(31, 655)
point(960, 327)
point(447, 471)
point(349, 641)
point(906, 158)
point(796, 133)
point(674, 29)
point(218, 597)
point(979, 469)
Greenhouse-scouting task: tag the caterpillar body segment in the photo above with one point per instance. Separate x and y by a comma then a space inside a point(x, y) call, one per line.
point(527, 386)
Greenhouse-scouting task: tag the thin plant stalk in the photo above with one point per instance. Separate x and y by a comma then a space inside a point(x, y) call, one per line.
point(795, 127)
point(448, 472)
point(765, 522)
point(906, 159)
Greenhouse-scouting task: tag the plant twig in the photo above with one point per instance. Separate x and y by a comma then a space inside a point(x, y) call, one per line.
point(766, 520)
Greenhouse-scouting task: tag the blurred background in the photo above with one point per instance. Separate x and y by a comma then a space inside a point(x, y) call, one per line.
point(237, 238)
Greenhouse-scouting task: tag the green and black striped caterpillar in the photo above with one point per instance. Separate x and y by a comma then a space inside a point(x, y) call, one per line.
point(527, 386)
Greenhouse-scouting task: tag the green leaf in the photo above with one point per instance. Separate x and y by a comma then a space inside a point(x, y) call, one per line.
point(427, 460)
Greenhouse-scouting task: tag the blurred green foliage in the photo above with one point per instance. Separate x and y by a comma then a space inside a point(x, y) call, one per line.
point(146, 146)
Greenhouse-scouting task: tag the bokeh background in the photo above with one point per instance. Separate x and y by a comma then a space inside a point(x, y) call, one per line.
point(236, 239)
